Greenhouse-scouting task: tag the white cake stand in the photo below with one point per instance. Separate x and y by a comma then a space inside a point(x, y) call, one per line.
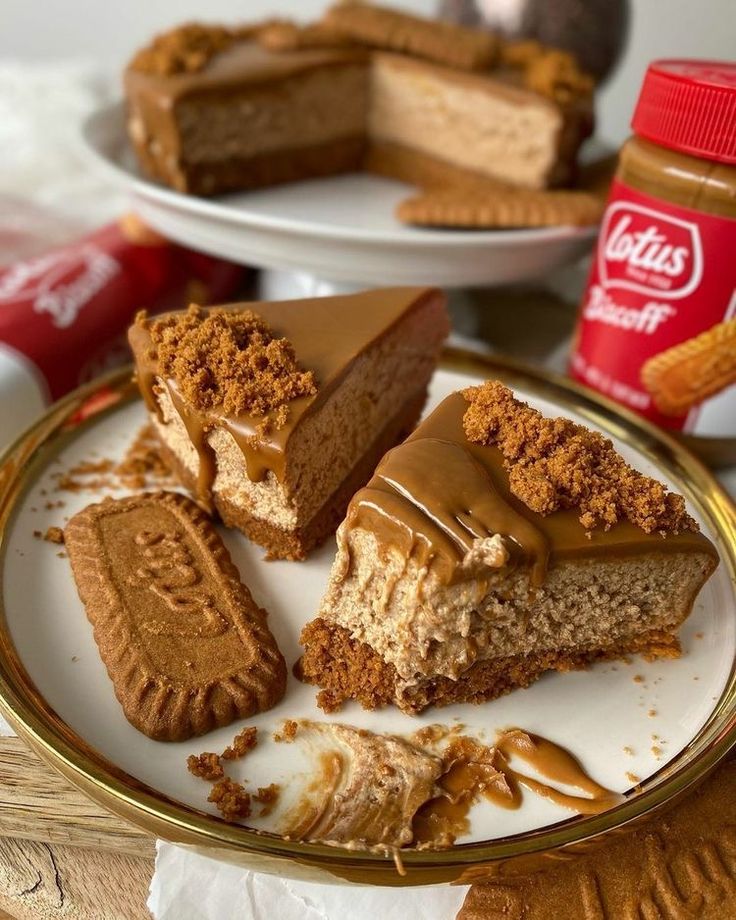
point(339, 230)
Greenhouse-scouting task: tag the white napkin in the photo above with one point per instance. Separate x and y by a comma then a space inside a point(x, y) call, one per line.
point(187, 886)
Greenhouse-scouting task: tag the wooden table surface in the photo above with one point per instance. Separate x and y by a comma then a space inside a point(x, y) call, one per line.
point(60, 854)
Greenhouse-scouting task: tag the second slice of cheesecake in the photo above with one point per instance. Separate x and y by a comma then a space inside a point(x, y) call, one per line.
point(491, 546)
point(274, 414)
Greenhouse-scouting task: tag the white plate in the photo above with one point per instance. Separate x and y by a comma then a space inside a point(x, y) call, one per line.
point(619, 718)
point(338, 229)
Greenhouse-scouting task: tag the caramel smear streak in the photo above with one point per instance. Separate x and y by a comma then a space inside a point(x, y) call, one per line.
point(474, 771)
point(373, 791)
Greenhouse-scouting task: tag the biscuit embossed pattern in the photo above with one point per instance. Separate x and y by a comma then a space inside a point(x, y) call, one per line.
point(635, 719)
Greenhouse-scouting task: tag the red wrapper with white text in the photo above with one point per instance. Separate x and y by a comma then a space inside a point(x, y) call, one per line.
point(64, 315)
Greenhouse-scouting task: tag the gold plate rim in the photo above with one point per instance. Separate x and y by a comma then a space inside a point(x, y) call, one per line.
point(63, 749)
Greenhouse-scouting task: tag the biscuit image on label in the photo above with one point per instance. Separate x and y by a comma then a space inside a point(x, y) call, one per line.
point(185, 645)
point(688, 373)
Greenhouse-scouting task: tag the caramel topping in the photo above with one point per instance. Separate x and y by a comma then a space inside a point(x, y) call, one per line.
point(222, 358)
point(437, 497)
point(435, 501)
point(473, 771)
point(187, 49)
point(555, 464)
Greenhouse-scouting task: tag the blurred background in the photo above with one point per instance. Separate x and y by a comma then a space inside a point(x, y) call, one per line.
point(106, 34)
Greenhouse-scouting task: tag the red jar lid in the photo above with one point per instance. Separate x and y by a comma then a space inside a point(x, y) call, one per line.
point(690, 106)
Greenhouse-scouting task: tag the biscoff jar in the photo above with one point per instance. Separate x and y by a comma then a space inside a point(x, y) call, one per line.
point(657, 326)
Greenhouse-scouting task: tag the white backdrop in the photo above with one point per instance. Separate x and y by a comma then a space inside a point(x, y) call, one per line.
point(108, 32)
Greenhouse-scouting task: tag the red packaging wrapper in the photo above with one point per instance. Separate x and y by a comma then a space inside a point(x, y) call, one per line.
point(64, 315)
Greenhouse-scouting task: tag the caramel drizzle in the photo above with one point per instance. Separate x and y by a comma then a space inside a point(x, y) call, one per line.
point(433, 500)
point(475, 770)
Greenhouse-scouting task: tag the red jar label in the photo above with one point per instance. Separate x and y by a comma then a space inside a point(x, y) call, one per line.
point(657, 327)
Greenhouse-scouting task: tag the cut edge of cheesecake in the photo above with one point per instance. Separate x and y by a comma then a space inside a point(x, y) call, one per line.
point(450, 589)
point(317, 111)
point(372, 355)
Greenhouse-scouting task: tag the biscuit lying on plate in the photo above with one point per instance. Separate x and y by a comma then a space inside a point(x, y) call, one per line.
point(185, 645)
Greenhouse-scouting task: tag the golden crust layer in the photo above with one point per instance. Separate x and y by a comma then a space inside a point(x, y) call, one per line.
point(348, 669)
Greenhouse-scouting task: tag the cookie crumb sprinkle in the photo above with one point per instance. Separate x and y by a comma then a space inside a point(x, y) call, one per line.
point(230, 799)
point(243, 743)
point(205, 766)
point(267, 797)
point(555, 464)
point(54, 535)
point(231, 360)
point(288, 732)
point(187, 49)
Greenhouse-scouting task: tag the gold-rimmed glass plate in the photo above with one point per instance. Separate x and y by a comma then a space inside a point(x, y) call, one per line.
point(667, 723)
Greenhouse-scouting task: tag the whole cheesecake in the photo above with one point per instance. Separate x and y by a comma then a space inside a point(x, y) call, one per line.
point(491, 546)
point(274, 414)
point(214, 109)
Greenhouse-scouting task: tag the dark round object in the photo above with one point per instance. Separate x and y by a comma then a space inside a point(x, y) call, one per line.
point(595, 31)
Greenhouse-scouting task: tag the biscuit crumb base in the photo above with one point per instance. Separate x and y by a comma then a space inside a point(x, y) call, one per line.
point(205, 766)
point(348, 669)
point(231, 800)
point(555, 464)
point(230, 360)
point(243, 743)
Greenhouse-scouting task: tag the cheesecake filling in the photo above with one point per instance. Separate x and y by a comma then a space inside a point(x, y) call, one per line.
point(441, 564)
point(463, 120)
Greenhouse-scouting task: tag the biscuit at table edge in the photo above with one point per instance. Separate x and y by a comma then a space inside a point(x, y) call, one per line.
point(185, 645)
point(677, 865)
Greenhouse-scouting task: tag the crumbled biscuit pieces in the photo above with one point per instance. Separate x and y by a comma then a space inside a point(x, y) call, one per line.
point(547, 71)
point(188, 49)
point(54, 535)
point(205, 766)
point(288, 731)
point(267, 796)
point(477, 207)
point(229, 359)
point(142, 465)
point(443, 42)
point(231, 800)
point(243, 743)
point(555, 464)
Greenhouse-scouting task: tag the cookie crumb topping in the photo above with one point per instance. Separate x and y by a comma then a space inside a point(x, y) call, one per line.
point(555, 464)
point(229, 359)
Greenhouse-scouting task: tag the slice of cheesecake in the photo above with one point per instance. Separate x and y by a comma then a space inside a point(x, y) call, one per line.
point(274, 414)
point(491, 546)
